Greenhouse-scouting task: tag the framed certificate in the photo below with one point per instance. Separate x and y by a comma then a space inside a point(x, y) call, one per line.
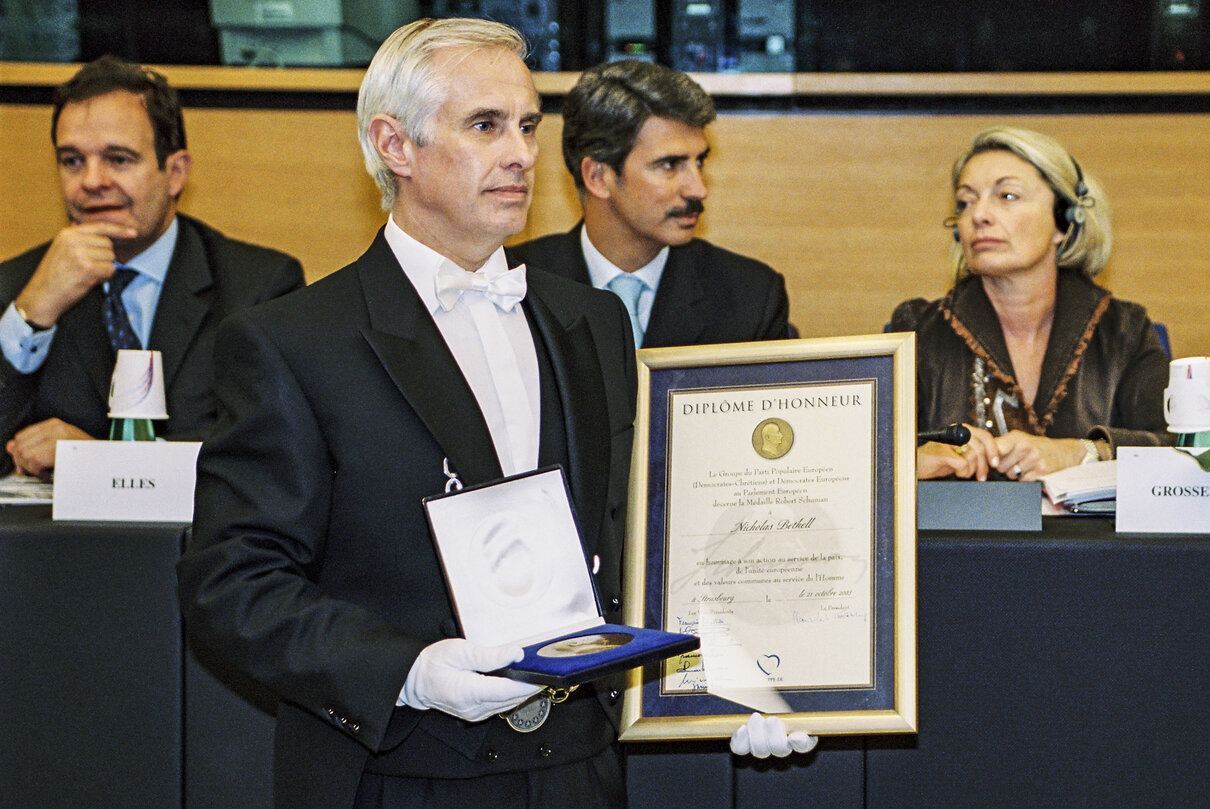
point(772, 513)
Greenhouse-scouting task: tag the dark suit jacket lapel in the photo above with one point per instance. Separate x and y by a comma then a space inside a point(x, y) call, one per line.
point(414, 354)
point(570, 262)
point(184, 301)
point(677, 318)
point(581, 387)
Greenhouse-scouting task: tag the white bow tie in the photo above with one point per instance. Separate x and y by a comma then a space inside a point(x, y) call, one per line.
point(505, 289)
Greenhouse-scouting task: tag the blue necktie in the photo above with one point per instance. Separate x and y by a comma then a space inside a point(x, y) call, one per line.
point(628, 288)
point(113, 312)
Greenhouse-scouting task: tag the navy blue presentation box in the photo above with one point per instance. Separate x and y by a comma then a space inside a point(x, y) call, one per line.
point(589, 658)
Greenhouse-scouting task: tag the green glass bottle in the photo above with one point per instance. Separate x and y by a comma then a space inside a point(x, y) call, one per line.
point(1200, 439)
point(131, 430)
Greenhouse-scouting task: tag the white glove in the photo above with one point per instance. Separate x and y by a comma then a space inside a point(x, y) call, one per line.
point(446, 676)
point(762, 736)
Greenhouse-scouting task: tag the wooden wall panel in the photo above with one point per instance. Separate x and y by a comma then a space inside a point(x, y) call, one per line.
point(847, 206)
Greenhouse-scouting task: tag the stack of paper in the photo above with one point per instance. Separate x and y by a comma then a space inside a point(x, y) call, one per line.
point(1077, 488)
point(24, 490)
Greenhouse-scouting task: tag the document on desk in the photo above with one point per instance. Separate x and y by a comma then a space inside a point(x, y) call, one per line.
point(24, 490)
point(1082, 483)
point(771, 529)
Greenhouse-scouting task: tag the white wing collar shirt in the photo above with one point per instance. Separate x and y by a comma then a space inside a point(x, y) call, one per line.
point(480, 317)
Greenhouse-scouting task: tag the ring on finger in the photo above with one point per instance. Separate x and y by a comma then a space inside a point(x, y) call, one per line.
point(1016, 470)
point(962, 450)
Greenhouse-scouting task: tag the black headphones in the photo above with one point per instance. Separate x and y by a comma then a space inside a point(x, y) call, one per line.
point(1069, 213)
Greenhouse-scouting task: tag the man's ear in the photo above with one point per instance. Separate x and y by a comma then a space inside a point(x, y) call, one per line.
point(392, 144)
point(177, 166)
point(599, 178)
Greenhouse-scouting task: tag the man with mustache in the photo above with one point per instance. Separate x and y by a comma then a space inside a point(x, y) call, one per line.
point(128, 271)
point(634, 140)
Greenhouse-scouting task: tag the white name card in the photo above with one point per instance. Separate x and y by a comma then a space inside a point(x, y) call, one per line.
point(125, 481)
point(1161, 491)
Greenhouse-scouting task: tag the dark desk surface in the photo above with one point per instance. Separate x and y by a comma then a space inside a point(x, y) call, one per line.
point(90, 663)
point(1068, 670)
point(101, 704)
point(1062, 668)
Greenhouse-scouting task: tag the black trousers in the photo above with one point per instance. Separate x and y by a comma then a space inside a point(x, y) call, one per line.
point(593, 783)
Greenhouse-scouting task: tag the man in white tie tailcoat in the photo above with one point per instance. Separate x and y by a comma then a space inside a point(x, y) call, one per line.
point(311, 568)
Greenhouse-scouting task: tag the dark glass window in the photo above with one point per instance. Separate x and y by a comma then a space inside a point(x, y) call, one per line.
point(704, 35)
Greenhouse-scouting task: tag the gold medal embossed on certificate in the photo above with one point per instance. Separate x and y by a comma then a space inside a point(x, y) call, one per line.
point(772, 438)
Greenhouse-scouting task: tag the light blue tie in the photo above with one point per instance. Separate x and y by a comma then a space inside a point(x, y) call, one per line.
point(628, 288)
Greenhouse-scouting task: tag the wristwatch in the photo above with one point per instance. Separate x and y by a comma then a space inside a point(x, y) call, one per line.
point(24, 317)
point(1091, 455)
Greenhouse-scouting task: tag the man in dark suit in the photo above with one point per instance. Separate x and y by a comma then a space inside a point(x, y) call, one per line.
point(634, 139)
point(311, 567)
point(120, 146)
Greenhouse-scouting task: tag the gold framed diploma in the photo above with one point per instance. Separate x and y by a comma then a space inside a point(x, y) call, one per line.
point(772, 514)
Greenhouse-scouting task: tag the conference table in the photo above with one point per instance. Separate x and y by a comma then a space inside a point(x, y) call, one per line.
point(1063, 668)
point(102, 703)
point(1067, 667)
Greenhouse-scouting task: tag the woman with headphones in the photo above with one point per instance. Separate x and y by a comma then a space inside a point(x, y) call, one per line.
point(1046, 367)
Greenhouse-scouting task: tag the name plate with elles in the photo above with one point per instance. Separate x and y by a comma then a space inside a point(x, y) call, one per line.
point(1162, 490)
point(125, 481)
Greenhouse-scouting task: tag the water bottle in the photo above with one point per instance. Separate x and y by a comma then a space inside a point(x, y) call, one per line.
point(127, 429)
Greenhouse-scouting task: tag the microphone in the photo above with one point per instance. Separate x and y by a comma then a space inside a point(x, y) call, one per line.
point(956, 434)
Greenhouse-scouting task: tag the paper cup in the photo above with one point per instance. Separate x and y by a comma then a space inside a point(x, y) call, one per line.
point(1187, 397)
point(136, 390)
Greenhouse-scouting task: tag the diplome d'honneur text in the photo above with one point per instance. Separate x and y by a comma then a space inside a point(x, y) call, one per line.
point(770, 531)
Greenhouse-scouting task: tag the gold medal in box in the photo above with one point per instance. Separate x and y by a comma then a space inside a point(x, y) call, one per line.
point(517, 574)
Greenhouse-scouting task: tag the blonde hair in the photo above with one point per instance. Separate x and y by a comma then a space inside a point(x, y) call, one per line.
point(401, 82)
point(1089, 238)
